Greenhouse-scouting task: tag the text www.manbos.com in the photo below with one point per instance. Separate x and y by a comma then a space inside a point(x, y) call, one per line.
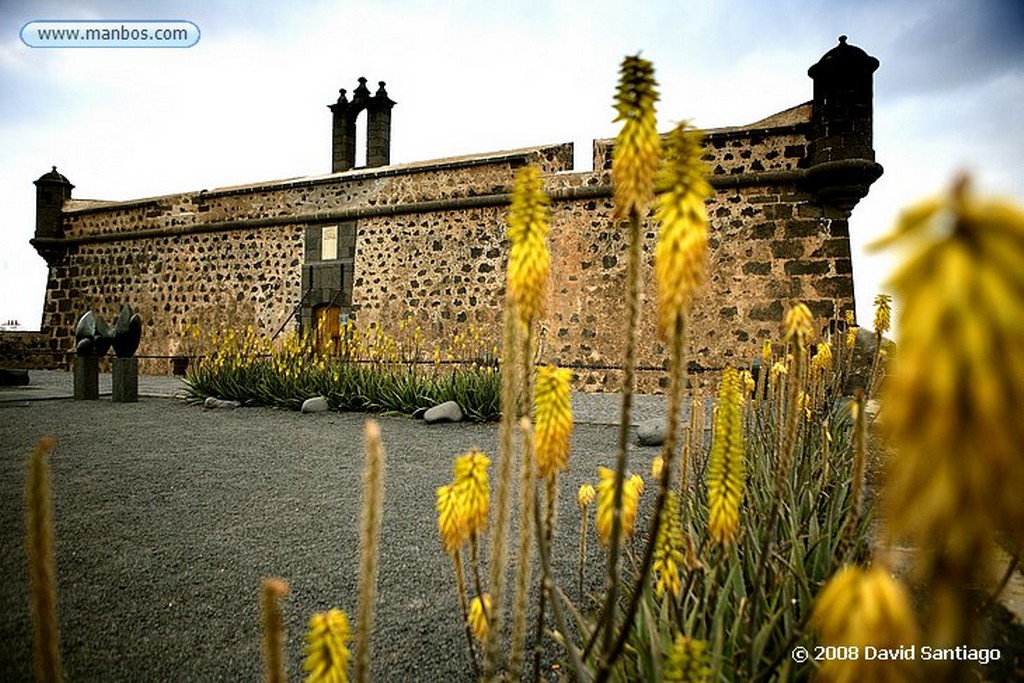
point(110, 34)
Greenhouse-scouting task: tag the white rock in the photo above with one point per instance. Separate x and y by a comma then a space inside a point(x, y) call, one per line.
point(212, 402)
point(449, 411)
point(317, 404)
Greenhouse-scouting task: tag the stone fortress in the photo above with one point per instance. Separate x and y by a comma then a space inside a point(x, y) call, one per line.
point(427, 240)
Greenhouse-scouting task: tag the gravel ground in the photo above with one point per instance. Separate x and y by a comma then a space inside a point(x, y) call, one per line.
point(168, 515)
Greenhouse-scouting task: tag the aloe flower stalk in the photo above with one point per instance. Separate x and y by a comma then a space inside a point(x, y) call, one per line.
point(369, 537)
point(327, 653)
point(687, 661)
point(553, 417)
point(637, 146)
point(669, 550)
point(726, 466)
point(634, 162)
point(478, 610)
point(584, 497)
point(42, 573)
point(680, 255)
point(955, 401)
point(861, 608)
point(529, 260)
point(273, 630)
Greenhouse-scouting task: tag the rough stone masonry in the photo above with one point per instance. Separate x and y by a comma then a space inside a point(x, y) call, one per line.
point(426, 241)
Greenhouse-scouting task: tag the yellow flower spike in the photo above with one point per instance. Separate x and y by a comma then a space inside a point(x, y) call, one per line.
point(637, 146)
point(822, 360)
point(472, 487)
point(553, 416)
point(478, 611)
point(631, 490)
point(451, 519)
point(958, 389)
point(799, 325)
point(883, 313)
point(680, 256)
point(748, 383)
point(657, 467)
point(327, 653)
point(859, 608)
point(529, 261)
point(585, 495)
point(637, 482)
point(687, 661)
point(669, 549)
point(726, 463)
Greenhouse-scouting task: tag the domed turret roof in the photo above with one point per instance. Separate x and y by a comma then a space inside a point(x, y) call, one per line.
point(843, 58)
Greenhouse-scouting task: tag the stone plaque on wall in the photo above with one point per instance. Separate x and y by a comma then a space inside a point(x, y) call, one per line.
point(329, 243)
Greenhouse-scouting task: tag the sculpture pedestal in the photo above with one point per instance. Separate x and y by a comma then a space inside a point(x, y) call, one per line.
point(125, 380)
point(87, 378)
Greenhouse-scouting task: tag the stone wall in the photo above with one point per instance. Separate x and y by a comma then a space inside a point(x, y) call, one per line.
point(429, 245)
point(29, 350)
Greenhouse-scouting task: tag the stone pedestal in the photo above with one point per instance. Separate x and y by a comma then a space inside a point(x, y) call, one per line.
point(125, 380)
point(87, 378)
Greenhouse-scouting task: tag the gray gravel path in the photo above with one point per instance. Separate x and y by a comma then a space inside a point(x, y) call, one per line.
point(168, 515)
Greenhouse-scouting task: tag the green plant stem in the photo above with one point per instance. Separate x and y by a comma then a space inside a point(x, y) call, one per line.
point(509, 382)
point(273, 631)
point(373, 500)
point(555, 596)
point(550, 492)
point(460, 583)
point(677, 376)
point(583, 549)
point(42, 572)
point(628, 380)
point(527, 504)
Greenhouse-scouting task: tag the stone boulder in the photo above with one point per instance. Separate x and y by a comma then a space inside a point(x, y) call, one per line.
point(449, 411)
point(317, 404)
point(651, 432)
point(213, 403)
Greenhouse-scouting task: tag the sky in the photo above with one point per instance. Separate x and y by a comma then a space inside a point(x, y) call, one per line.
point(247, 103)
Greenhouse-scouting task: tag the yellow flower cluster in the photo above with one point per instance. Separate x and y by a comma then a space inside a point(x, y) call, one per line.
point(687, 661)
point(798, 325)
point(585, 496)
point(472, 488)
point(726, 463)
point(883, 313)
point(462, 506)
point(680, 256)
point(637, 146)
point(861, 608)
point(453, 530)
point(478, 611)
point(553, 419)
point(529, 261)
point(669, 549)
point(632, 487)
point(327, 652)
point(954, 404)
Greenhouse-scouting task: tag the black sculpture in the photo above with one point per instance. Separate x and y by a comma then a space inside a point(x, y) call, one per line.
point(127, 332)
point(94, 337)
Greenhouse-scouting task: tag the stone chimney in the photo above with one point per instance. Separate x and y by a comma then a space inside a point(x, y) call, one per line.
point(842, 159)
point(378, 127)
point(52, 190)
